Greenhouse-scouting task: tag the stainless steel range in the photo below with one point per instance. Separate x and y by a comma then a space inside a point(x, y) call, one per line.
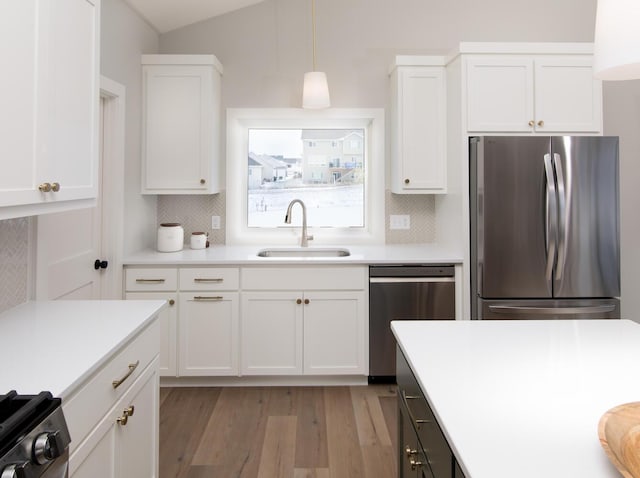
point(34, 438)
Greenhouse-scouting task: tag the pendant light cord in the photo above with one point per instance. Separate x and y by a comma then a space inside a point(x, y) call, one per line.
point(313, 29)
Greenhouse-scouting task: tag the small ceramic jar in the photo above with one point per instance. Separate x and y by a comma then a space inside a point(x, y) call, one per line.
point(170, 237)
point(198, 240)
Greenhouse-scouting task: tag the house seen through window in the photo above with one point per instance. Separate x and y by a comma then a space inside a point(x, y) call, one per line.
point(325, 168)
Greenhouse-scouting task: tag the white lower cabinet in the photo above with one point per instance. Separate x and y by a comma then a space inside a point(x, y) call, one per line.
point(333, 332)
point(123, 449)
point(168, 321)
point(159, 284)
point(317, 331)
point(272, 333)
point(114, 428)
point(230, 321)
point(208, 333)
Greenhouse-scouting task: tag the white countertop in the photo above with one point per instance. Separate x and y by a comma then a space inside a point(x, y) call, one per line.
point(523, 398)
point(245, 255)
point(54, 345)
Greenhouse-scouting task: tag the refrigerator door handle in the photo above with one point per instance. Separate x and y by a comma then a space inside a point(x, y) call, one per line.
point(551, 217)
point(521, 310)
point(563, 218)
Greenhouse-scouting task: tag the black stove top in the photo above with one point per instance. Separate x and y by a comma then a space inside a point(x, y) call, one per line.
point(19, 414)
point(33, 435)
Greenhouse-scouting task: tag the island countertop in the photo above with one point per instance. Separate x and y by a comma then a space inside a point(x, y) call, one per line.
point(524, 398)
point(54, 345)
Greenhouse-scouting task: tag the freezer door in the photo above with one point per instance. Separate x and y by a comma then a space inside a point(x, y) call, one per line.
point(550, 309)
point(511, 206)
point(588, 258)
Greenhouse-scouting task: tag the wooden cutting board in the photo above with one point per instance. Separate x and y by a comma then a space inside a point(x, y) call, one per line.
point(619, 433)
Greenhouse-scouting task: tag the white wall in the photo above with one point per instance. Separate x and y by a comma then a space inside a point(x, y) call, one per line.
point(125, 36)
point(266, 48)
point(622, 118)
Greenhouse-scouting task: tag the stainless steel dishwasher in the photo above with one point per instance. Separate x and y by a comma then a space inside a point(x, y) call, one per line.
point(404, 292)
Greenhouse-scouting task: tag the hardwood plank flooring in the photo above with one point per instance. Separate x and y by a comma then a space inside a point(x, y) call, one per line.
point(278, 432)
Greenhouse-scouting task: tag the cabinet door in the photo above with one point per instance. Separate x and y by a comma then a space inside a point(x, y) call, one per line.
point(69, 98)
point(50, 110)
point(19, 51)
point(168, 321)
point(499, 92)
point(334, 334)
point(272, 333)
point(137, 440)
point(567, 97)
point(208, 326)
point(419, 156)
point(178, 129)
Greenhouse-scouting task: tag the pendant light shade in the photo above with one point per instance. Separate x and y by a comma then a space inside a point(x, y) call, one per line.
point(315, 90)
point(617, 40)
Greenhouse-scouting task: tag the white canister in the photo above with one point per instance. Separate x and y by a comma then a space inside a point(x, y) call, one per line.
point(170, 237)
point(198, 240)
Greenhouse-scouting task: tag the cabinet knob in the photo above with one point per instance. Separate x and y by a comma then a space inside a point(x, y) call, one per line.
point(306, 301)
point(298, 301)
point(540, 123)
point(172, 302)
point(202, 181)
point(55, 187)
point(532, 123)
point(45, 187)
point(406, 181)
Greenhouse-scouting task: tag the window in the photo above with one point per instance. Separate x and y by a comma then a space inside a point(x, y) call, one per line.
point(332, 160)
point(334, 195)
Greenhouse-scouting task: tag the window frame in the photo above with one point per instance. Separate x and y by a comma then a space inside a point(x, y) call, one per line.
point(241, 120)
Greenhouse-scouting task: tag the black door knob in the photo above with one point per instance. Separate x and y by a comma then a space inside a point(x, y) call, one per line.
point(98, 264)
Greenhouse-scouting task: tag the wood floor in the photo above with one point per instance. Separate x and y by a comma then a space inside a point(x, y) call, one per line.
point(273, 432)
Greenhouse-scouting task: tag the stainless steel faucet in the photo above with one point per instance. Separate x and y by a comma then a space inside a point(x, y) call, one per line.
point(304, 240)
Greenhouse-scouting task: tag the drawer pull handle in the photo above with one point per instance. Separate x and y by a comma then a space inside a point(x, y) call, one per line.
point(132, 367)
point(126, 413)
point(204, 297)
point(411, 397)
point(422, 421)
point(415, 464)
point(409, 451)
point(149, 281)
point(217, 280)
point(172, 302)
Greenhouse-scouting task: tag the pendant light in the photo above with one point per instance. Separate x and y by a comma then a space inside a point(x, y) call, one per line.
point(315, 91)
point(617, 40)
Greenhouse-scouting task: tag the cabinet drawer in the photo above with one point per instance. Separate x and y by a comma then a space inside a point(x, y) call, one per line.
point(151, 280)
point(97, 395)
point(430, 435)
point(209, 278)
point(304, 278)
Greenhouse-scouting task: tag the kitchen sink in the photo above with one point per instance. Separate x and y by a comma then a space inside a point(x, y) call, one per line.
point(304, 252)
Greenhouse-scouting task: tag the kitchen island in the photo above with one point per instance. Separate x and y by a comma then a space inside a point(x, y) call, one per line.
point(524, 398)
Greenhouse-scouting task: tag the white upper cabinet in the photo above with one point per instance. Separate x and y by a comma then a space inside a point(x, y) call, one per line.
point(532, 93)
point(49, 110)
point(418, 115)
point(181, 124)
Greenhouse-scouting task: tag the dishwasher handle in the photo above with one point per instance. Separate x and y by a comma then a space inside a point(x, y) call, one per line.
point(408, 280)
point(418, 271)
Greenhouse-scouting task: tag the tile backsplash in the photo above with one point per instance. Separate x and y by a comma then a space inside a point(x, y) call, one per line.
point(14, 262)
point(194, 213)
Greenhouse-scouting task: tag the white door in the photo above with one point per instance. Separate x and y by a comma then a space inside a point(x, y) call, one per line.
point(69, 243)
point(68, 246)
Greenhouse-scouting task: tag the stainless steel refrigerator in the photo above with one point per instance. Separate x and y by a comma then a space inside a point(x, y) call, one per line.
point(544, 227)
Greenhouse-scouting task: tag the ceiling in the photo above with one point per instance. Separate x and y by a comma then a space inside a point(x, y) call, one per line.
point(166, 15)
